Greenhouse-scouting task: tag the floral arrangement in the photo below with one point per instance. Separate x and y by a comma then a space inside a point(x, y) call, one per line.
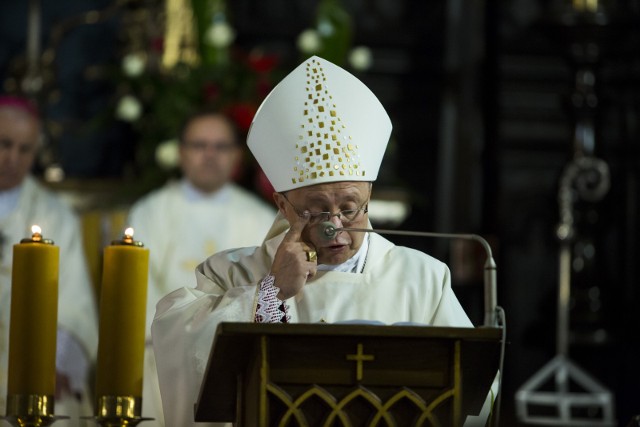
point(208, 71)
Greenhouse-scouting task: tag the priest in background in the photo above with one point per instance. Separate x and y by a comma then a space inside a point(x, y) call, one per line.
point(187, 221)
point(320, 137)
point(23, 203)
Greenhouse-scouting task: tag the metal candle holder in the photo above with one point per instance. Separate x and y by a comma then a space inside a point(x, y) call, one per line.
point(31, 410)
point(119, 411)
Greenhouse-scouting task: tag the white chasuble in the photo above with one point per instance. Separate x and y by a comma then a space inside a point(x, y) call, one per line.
point(397, 284)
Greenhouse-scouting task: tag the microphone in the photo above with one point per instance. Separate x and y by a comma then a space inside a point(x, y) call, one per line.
point(329, 231)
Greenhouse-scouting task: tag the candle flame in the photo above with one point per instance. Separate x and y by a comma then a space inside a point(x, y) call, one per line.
point(129, 232)
point(35, 229)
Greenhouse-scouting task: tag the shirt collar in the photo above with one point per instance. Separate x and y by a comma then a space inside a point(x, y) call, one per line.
point(192, 194)
point(354, 264)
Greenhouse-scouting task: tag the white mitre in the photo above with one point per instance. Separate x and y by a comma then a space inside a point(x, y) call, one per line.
point(320, 124)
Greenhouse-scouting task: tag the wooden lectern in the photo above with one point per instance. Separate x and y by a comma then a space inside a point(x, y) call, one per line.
point(347, 374)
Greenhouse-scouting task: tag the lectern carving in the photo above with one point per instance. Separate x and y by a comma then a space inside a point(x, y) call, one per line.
point(347, 375)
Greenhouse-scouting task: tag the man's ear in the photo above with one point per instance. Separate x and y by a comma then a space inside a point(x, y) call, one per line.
point(278, 199)
point(237, 156)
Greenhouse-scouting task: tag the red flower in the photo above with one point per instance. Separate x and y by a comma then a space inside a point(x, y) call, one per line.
point(211, 92)
point(242, 114)
point(261, 63)
point(157, 44)
point(263, 87)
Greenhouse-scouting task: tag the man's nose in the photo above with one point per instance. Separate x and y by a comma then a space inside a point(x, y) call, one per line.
point(336, 219)
point(9, 156)
point(213, 150)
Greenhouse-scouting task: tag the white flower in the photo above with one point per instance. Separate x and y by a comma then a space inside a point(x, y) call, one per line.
point(220, 34)
point(54, 173)
point(129, 108)
point(309, 41)
point(326, 28)
point(168, 154)
point(133, 64)
point(360, 58)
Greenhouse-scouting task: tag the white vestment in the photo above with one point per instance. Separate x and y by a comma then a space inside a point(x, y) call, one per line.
point(397, 284)
point(181, 227)
point(77, 318)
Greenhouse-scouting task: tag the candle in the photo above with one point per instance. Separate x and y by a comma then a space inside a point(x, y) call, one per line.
point(123, 303)
point(34, 317)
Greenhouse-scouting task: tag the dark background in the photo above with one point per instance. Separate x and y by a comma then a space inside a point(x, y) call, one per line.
point(483, 98)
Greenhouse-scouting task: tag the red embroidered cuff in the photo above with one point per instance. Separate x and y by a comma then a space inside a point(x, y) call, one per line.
point(269, 308)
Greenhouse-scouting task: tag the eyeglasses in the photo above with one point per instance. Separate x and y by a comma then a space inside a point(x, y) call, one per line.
point(202, 146)
point(346, 216)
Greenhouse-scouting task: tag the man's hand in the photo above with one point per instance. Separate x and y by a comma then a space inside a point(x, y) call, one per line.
point(291, 268)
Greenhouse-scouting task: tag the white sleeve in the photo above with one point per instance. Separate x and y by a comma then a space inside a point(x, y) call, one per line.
point(182, 334)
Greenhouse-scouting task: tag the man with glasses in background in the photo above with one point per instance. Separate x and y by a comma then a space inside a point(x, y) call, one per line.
point(188, 220)
point(320, 136)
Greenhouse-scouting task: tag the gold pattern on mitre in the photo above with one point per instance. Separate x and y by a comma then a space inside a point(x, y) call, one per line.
point(324, 146)
point(317, 119)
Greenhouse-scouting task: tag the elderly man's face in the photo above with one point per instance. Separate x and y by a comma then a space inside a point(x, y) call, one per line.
point(19, 135)
point(333, 197)
point(208, 153)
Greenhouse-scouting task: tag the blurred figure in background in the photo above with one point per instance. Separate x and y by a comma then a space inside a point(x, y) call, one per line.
point(187, 221)
point(24, 202)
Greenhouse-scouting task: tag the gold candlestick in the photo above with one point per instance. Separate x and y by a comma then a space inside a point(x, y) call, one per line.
point(31, 411)
point(119, 411)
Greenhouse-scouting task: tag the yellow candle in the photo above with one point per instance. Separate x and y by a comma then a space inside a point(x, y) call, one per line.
point(123, 303)
point(34, 317)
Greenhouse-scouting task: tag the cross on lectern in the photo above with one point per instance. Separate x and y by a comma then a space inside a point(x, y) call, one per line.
point(360, 357)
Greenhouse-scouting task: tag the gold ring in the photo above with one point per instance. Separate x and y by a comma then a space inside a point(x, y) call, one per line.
point(311, 255)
